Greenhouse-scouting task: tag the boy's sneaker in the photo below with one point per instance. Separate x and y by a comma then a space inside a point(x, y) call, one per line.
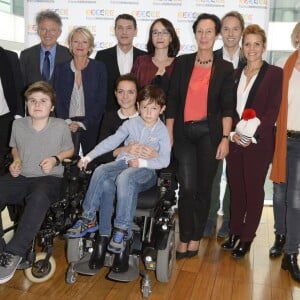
point(117, 243)
point(81, 228)
point(8, 266)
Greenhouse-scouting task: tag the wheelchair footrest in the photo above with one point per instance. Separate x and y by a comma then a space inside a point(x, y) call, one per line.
point(130, 275)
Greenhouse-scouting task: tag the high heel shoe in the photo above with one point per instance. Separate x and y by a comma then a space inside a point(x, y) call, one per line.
point(180, 255)
point(241, 249)
point(290, 264)
point(230, 243)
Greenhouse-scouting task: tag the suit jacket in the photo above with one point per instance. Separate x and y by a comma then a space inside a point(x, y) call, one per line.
point(219, 54)
point(220, 95)
point(264, 97)
point(109, 58)
point(11, 79)
point(30, 62)
point(94, 81)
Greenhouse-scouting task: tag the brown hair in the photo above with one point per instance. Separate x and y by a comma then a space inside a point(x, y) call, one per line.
point(43, 87)
point(127, 77)
point(234, 14)
point(254, 29)
point(153, 94)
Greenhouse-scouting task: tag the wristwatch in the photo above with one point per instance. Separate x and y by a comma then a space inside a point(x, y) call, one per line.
point(57, 160)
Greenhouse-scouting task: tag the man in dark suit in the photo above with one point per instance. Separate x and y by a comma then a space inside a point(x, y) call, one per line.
point(49, 27)
point(11, 103)
point(120, 58)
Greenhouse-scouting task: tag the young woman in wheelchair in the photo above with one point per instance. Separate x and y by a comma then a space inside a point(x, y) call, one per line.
point(39, 144)
point(133, 171)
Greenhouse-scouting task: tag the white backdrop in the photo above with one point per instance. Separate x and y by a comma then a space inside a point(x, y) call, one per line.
point(99, 16)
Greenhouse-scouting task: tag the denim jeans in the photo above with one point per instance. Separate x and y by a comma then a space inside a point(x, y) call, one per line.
point(286, 199)
point(116, 178)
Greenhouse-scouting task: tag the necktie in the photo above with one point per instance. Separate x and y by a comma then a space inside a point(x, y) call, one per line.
point(46, 67)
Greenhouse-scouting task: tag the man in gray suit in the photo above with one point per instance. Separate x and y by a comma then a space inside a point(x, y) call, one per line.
point(33, 59)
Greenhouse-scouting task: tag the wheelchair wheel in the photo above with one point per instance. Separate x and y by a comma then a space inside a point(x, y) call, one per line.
point(41, 271)
point(165, 259)
point(74, 250)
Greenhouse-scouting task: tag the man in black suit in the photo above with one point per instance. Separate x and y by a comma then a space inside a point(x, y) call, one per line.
point(119, 59)
point(11, 104)
point(49, 27)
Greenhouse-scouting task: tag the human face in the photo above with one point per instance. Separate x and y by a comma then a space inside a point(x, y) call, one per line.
point(205, 34)
point(126, 94)
point(80, 45)
point(150, 112)
point(161, 38)
point(253, 47)
point(125, 32)
point(231, 32)
point(39, 106)
point(48, 31)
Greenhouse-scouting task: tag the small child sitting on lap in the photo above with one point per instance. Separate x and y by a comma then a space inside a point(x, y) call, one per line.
point(39, 144)
point(125, 177)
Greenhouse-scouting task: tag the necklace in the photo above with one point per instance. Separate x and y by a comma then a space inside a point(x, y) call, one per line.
point(203, 62)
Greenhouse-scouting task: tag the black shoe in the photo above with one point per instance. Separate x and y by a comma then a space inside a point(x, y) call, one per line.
point(289, 263)
point(277, 247)
point(180, 255)
point(121, 260)
point(230, 243)
point(241, 249)
point(191, 253)
point(98, 255)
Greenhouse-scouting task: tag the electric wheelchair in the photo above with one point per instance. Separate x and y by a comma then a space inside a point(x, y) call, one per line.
point(153, 240)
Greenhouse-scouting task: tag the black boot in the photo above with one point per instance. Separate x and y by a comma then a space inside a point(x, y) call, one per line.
point(230, 243)
point(277, 247)
point(289, 263)
point(98, 255)
point(121, 260)
point(241, 249)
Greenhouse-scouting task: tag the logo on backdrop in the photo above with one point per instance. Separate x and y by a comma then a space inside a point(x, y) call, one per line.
point(167, 2)
point(187, 16)
point(62, 12)
point(210, 3)
point(145, 15)
point(254, 4)
point(91, 28)
point(82, 1)
point(99, 14)
point(99, 45)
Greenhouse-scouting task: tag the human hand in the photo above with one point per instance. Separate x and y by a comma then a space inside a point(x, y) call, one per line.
point(147, 152)
point(48, 164)
point(82, 164)
point(133, 163)
point(238, 140)
point(15, 168)
point(223, 149)
point(74, 126)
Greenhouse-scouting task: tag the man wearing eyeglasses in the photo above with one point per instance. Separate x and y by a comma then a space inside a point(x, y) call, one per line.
point(38, 61)
point(120, 58)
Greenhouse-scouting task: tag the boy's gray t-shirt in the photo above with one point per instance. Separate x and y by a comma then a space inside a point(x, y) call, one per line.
point(34, 146)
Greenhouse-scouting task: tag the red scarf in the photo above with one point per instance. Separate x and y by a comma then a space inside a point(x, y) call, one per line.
point(278, 172)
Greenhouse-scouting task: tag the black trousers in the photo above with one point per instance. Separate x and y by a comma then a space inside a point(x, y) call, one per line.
point(35, 195)
point(197, 166)
point(5, 132)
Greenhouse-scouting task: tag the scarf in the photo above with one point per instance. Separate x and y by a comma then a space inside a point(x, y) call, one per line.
point(278, 172)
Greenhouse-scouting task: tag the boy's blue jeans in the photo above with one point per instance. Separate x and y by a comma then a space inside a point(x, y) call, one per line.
point(116, 179)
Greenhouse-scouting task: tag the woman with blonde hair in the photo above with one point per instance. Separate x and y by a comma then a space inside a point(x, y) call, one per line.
point(80, 86)
point(286, 165)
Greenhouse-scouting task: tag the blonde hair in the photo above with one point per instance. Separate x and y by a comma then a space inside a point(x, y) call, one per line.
point(295, 31)
point(255, 29)
point(86, 33)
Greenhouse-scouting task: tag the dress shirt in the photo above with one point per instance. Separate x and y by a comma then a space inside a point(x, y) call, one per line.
point(51, 58)
point(125, 60)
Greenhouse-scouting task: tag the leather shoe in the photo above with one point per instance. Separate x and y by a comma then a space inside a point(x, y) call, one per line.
point(180, 255)
point(277, 248)
point(289, 263)
point(230, 243)
point(192, 253)
point(241, 249)
point(98, 255)
point(121, 260)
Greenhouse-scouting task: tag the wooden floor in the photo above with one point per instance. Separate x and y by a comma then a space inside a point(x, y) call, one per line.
point(213, 274)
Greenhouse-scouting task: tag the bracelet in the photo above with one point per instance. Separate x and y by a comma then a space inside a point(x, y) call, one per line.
point(57, 160)
point(224, 136)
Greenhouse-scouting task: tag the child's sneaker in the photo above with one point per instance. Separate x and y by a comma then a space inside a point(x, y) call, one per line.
point(8, 266)
point(117, 243)
point(81, 228)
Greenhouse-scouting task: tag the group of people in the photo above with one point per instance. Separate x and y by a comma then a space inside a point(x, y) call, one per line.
point(216, 105)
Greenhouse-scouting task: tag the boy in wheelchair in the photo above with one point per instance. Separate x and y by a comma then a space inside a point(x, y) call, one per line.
point(127, 176)
point(39, 144)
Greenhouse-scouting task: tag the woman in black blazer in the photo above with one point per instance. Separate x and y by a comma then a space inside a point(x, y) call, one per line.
point(199, 117)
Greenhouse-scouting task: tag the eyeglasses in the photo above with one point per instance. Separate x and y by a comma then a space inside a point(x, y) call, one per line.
point(45, 30)
point(163, 33)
